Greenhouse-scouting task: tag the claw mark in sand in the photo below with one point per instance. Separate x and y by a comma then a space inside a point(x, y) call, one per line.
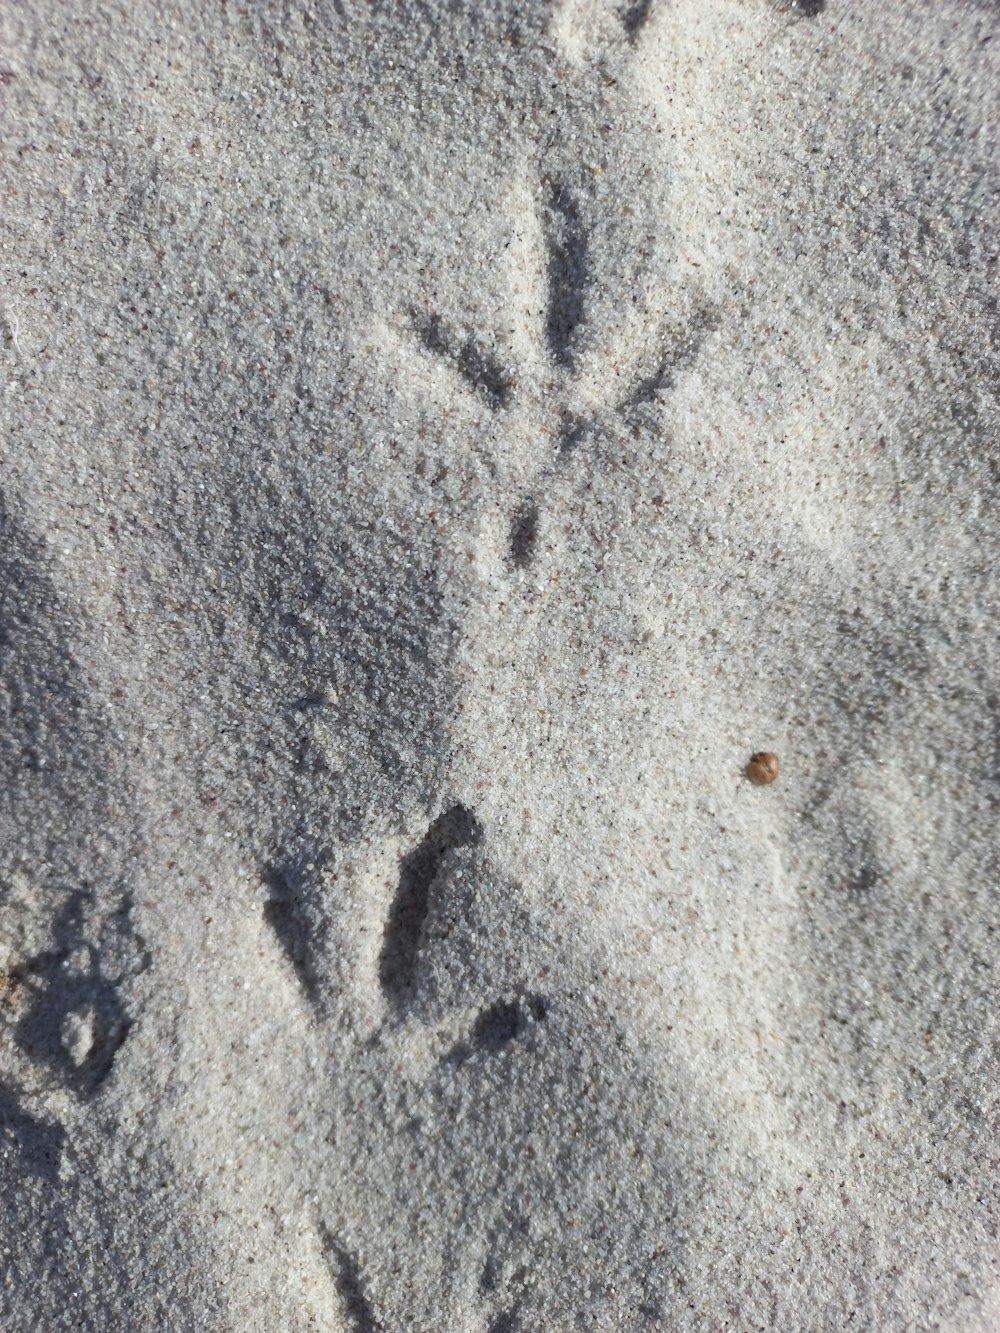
point(681, 356)
point(457, 827)
point(290, 913)
point(524, 534)
point(567, 273)
point(477, 367)
point(634, 16)
point(347, 1277)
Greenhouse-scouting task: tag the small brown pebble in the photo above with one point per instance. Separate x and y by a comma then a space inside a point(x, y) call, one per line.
point(763, 768)
point(10, 987)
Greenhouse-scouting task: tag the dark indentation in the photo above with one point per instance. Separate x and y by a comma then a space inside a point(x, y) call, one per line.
point(72, 982)
point(524, 534)
point(347, 1277)
point(34, 1145)
point(305, 702)
point(809, 9)
point(507, 1322)
point(291, 913)
point(488, 1278)
point(499, 1025)
point(680, 356)
point(481, 370)
point(567, 275)
point(865, 879)
point(573, 434)
point(457, 827)
point(635, 15)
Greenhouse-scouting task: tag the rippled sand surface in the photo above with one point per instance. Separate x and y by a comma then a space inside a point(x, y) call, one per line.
point(440, 444)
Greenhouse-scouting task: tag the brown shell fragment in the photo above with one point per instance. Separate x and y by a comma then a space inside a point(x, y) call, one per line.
point(763, 768)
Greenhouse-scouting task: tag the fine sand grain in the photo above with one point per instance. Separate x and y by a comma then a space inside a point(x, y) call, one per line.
point(440, 445)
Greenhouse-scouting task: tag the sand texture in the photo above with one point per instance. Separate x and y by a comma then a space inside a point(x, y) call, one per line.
point(440, 444)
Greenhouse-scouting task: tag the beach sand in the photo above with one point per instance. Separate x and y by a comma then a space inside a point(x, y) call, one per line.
point(440, 444)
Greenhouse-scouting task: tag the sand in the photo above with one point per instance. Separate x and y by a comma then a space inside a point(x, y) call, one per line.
point(440, 445)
